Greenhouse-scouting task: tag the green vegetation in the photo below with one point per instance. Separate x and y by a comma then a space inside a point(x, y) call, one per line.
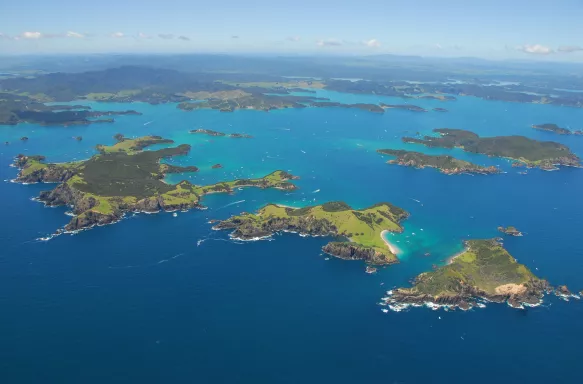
point(510, 230)
point(364, 107)
point(257, 101)
point(16, 109)
point(220, 134)
point(123, 178)
point(275, 85)
point(485, 265)
point(407, 107)
point(533, 153)
point(484, 270)
point(131, 146)
point(446, 164)
point(556, 129)
point(364, 227)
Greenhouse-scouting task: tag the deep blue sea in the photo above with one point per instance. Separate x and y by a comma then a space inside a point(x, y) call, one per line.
point(146, 301)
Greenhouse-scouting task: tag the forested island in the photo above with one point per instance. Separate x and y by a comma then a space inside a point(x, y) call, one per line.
point(407, 107)
point(123, 178)
point(364, 107)
point(220, 134)
point(15, 109)
point(545, 155)
point(363, 228)
point(444, 163)
point(556, 129)
point(483, 271)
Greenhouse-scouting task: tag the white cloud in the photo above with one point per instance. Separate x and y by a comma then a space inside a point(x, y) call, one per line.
point(74, 34)
point(569, 48)
point(438, 46)
point(329, 43)
point(30, 35)
point(185, 38)
point(535, 49)
point(3, 36)
point(166, 36)
point(372, 43)
point(293, 38)
point(117, 35)
point(142, 35)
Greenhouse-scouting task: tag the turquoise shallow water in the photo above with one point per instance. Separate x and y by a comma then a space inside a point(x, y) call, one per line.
point(144, 301)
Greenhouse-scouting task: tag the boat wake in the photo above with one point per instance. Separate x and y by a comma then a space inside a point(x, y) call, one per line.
point(147, 265)
point(233, 203)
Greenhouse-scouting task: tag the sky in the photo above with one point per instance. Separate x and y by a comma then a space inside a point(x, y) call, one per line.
point(492, 29)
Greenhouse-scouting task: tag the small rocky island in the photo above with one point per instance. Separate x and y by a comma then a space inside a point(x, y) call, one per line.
point(440, 110)
point(220, 134)
point(217, 166)
point(556, 129)
point(123, 178)
point(483, 271)
point(446, 164)
point(363, 228)
point(510, 230)
point(546, 155)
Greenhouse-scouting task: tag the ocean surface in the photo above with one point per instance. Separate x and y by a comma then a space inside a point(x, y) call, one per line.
point(157, 298)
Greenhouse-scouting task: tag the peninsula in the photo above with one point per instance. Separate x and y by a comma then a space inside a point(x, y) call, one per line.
point(556, 129)
point(363, 228)
point(123, 178)
point(446, 164)
point(15, 109)
point(532, 153)
point(484, 270)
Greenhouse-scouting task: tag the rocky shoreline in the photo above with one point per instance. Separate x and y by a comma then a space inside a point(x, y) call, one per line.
point(318, 221)
point(484, 271)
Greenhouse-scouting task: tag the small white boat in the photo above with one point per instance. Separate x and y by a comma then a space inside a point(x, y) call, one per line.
point(175, 214)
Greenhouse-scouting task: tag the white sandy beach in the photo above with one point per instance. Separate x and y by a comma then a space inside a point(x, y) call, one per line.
point(393, 248)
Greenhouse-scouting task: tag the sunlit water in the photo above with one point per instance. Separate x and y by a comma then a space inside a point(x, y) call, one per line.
point(160, 298)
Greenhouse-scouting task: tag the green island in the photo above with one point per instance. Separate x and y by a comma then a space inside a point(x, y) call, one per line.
point(556, 129)
point(363, 106)
point(15, 109)
point(220, 134)
point(528, 152)
point(123, 178)
point(257, 101)
point(407, 107)
point(510, 230)
point(446, 164)
point(364, 228)
point(484, 270)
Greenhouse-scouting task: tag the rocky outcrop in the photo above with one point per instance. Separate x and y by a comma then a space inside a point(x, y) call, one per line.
point(217, 166)
point(353, 251)
point(465, 296)
point(512, 231)
point(246, 228)
point(32, 170)
point(90, 219)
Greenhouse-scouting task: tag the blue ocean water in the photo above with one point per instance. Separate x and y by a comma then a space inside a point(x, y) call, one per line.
point(161, 299)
